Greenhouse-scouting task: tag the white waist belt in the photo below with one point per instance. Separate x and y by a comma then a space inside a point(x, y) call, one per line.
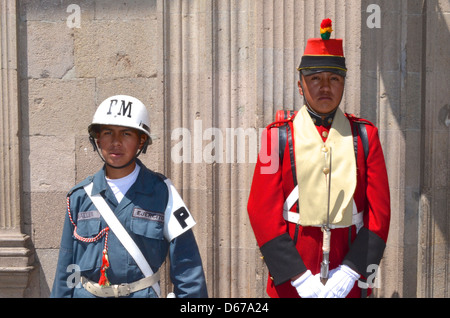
point(121, 290)
point(356, 220)
point(294, 217)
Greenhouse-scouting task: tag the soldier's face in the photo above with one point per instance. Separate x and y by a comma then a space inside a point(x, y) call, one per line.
point(118, 146)
point(323, 91)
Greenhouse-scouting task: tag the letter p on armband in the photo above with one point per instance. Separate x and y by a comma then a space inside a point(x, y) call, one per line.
point(181, 215)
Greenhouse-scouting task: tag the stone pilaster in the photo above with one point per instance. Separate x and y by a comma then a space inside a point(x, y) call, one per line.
point(15, 255)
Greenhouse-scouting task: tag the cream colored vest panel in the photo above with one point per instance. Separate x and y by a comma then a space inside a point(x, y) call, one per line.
point(312, 155)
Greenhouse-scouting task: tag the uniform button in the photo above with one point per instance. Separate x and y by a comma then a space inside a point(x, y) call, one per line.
point(325, 134)
point(325, 149)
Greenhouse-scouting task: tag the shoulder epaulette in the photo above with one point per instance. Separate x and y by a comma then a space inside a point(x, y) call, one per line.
point(159, 175)
point(282, 117)
point(277, 124)
point(80, 185)
point(359, 120)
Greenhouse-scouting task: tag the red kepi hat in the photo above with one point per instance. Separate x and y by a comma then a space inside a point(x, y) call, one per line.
point(324, 54)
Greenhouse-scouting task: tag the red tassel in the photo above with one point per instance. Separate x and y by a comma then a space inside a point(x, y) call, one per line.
point(103, 281)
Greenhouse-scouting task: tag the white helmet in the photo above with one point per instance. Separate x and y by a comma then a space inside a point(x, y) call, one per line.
point(121, 110)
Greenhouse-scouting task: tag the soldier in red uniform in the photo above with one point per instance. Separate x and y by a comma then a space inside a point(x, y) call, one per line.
point(319, 203)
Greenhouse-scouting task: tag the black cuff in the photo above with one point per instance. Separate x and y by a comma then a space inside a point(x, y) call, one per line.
point(367, 249)
point(282, 259)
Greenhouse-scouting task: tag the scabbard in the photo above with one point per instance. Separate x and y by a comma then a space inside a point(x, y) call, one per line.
point(325, 264)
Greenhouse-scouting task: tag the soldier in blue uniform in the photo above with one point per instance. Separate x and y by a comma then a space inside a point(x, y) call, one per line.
point(122, 222)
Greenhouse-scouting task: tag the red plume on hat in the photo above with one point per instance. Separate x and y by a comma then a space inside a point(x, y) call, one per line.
point(326, 29)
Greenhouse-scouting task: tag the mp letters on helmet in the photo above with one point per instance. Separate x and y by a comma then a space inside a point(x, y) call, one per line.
point(123, 109)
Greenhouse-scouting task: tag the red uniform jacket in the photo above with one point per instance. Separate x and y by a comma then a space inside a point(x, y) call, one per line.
point(275, 236)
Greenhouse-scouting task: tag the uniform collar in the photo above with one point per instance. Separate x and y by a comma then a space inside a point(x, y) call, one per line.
point(144, 183)
point(99, 179)
point(317, 119)
point(99, 182)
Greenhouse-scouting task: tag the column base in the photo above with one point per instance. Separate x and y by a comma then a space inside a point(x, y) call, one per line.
point(16, 259)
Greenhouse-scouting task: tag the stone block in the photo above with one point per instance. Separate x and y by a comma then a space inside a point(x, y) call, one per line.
point(116, 49)
point(48, 213)
point(52, 164)
point(125, 10)
point(59, 108)
point(49, 56)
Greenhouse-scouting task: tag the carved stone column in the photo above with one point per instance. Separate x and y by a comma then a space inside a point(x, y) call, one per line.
point(15, 256)
point(433, 264)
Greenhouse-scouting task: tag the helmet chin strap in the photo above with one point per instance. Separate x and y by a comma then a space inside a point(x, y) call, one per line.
point(143, 149)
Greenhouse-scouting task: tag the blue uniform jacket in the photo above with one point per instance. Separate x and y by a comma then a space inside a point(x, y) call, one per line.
point(148, 193)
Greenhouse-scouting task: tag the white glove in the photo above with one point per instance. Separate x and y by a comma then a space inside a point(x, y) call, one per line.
point(340, 283)
point(308, 285)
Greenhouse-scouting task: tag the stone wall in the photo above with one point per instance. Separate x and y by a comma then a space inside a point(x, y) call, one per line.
point(213, 74)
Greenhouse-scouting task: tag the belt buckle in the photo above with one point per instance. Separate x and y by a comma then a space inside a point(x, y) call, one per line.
point(124, 289)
